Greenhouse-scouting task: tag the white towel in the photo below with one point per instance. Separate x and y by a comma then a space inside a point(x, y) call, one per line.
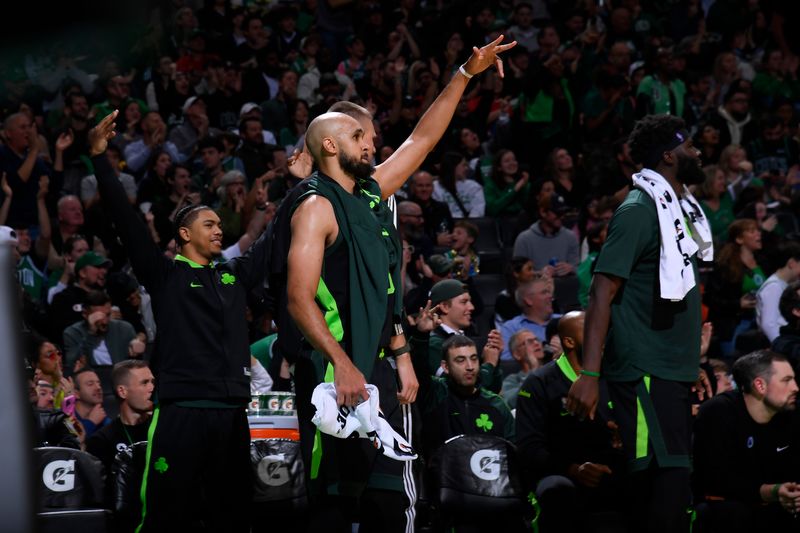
point(364, 421)
point(675, 268)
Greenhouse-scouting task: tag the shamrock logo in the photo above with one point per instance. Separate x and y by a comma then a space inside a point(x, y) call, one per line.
point(484, 422)
point(161, 465)
point(228, 279)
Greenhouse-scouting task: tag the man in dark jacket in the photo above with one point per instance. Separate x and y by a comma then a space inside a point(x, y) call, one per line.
point(198, 467)
point(787, 342)
point(746, 449)
point(572, 463)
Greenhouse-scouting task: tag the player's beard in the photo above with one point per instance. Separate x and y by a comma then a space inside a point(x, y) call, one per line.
point(689, 172)
point(354, 167)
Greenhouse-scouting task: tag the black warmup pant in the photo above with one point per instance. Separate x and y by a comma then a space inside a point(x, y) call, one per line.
point(198, 475)
point(354, 482)
point(655, 425)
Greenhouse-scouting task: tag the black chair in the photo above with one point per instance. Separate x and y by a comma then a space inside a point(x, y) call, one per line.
point(489, 286)
point(70, 489)
point(483, 323)
point(125, 482)
point(474, 479)
point(566, 293)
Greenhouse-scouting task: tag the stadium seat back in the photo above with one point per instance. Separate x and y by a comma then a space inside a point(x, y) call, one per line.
point(476, 474)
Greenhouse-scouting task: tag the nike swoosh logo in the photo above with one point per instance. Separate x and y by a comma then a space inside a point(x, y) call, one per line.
point(781, 449)
point(564, 413)
point(194, 285)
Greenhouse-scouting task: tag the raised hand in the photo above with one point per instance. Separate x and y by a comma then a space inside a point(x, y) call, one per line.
point(427, 320)
point(102, 133)
point(64, 140)
point(493, 347)
point(300, 164)
point(486, 56)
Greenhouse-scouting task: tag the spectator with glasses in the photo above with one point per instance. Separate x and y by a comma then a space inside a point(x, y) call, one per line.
point(46, 360)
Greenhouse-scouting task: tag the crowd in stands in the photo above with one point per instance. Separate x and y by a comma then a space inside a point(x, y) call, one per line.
point(500, 225)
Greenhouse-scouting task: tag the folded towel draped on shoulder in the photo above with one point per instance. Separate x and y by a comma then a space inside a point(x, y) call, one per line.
point(684, 231)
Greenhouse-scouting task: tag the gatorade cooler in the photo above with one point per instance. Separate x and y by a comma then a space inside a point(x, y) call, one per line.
point(273, 427)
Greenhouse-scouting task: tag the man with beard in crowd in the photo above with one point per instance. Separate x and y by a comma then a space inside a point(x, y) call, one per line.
point(645, 289)
point(334, 238)
point(67, 306)
point(746, 454)
point(412, 227)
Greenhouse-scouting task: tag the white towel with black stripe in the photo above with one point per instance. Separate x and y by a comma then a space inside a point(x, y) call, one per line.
point(684, 231)
point(364, 420)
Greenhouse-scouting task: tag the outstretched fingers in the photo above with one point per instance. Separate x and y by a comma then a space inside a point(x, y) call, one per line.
point(107, 126)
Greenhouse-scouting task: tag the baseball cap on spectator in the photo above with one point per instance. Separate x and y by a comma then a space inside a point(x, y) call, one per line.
point(440, 264)
point(246, 108)
point(8, 236)
point(190, 102)
point(555, 203)
point(446, 290)
point(636, 65)
point(91, 259)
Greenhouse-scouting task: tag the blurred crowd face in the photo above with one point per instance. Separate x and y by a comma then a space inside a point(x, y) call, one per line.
point(93, 277)
point(523, 17)
point(211, 157)
point(253, 132)
point(539, 298)
point(138, 391)
point(462, 365)
point(562, 160)
point(70, 211)
point(422, 186)
point(163, 163)
point(45, 395)
point(508, 164)
point(470, 139)
point(87, 385)
point(49, 362)
point(104, 314)
point(18, 132)
point(181, 181)
point(457, 312)
point(781, 393)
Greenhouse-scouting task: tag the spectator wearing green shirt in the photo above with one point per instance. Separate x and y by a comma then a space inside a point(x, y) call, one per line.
point(649, 346)
point(716, 201)
point(507, 188)
point(778, 78)
point(731, 290)
point(661, 93)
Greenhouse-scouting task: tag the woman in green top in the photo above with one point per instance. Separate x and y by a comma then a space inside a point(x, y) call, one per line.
point(716, 202)
point(508, 188)
point(730, 291)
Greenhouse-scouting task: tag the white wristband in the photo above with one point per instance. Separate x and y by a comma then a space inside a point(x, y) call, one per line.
point(463, 71)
